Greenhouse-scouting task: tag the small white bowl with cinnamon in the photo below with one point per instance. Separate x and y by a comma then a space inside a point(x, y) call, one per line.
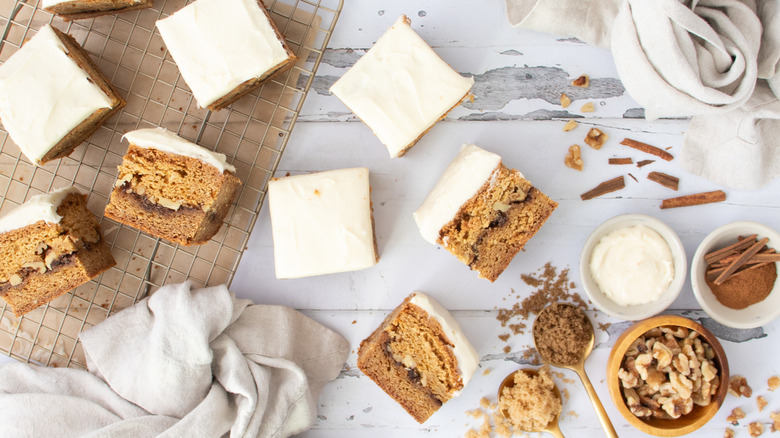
point(734, 274)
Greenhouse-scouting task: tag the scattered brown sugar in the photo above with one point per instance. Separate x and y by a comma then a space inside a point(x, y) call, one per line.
point(562, 332)
point(774, 383)
point(604, 326)
point(531, 403)
point(738, 386)
point(507, 349)
point(517, 329)
point(504, 337)
point(531, 356)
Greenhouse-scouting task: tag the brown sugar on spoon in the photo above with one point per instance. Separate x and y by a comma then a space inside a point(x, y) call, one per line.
point(562, 333)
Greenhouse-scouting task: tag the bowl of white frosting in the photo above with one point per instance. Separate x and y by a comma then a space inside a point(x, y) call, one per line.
point(633, 266)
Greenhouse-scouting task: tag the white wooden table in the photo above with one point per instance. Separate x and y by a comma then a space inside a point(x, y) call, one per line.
point(519, 77)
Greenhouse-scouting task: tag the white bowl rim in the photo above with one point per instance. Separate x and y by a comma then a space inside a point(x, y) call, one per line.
point(635, 313)
point(706, 298)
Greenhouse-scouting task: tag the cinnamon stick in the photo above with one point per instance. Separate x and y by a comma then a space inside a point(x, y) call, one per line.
point(644, 163)
point(612, 185)
point(646, 148)
point(714, 256)
point(736, 264)
point(621, 161)
point(664, 179)
point(695, 199)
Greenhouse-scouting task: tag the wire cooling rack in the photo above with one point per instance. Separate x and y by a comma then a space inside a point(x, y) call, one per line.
point(252, 132)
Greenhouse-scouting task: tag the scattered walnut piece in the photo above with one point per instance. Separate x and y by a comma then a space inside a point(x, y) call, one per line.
point(565, 101)
point(588, 107)
point(729, 433)
point(736, 415)
point(756, 429)
point(761, 403)
point(596, 138)
point(775, 416)
point(574, 158)
point(571, 124)
point(774, 383)
point(582, 81)
point(738, 386)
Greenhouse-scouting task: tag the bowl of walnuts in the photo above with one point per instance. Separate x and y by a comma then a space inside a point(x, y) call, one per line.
point(667, 375)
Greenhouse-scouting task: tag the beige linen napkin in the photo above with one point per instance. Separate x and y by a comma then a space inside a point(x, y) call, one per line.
point(587, 20)
point(712, 60)
point(184, 362)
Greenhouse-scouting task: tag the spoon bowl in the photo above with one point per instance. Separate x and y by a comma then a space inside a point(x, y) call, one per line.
point(578, 367)
point(509, 382)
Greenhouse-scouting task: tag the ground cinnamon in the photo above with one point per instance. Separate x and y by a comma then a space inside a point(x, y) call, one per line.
point(745, 288)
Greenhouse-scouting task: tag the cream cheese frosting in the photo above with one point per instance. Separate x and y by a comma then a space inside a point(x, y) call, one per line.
point(466, 355)
point(220, 44)
point(41, 207)
point(163, 140)
point(632, 265)
point(322, 223)
point(44, 94)
point(466, 174)
point(400, 87)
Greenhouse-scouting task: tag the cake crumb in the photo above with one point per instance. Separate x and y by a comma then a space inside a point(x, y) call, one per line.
point(572, 414)
point(738, 386)
point(728, 433)
point(761, 403)
point(756, 429)
point(487, 371)
point(774, 383)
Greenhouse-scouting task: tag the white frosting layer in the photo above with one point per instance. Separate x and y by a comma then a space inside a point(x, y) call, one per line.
point(219, 44)
point(465, 175)
point(44, 94)
point(41, 207)
point(48, 3)
point(466, 355)
point(163, 140)
point(632, 265)
point(321, 223)
point(400, 87)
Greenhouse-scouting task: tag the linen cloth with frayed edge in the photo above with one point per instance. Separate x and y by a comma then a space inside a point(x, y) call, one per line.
point(183, 362)
point(713, 60)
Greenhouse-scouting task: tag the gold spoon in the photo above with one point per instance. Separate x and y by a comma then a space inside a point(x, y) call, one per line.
point(551, 428)
point(579, 368)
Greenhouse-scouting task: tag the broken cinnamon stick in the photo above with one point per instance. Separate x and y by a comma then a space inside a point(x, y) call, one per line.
point(633, 177)
point(695, 199)
point(610, 186)
point(646, 148)
point(714, 256)
point(736, 264)
point(644, 163)
point(621, 161)
point(664, 179)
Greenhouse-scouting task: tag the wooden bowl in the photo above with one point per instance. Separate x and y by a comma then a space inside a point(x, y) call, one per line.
point(657, 426)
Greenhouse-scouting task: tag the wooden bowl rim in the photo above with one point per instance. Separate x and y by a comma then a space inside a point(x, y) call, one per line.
point(616, 357)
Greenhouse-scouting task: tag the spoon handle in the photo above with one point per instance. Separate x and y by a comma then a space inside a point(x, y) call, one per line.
point(555, 430)
point(594, 398)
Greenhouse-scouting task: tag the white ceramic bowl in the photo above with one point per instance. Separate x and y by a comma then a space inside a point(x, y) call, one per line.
point(634, 313)
point(752, 316)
